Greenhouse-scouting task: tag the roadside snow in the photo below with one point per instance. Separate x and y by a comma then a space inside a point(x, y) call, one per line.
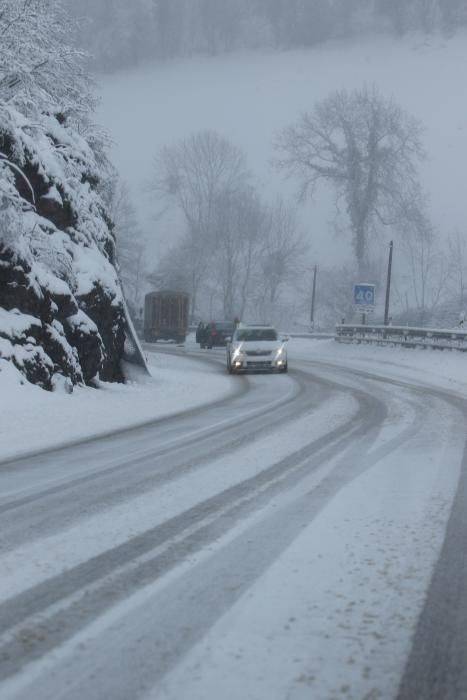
point(181, 383)
point(32, 419)
point(443, 369)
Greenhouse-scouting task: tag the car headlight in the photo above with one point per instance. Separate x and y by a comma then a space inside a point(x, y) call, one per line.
point(238, 354)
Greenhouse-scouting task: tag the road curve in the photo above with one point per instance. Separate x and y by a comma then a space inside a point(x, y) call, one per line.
point(120, 555)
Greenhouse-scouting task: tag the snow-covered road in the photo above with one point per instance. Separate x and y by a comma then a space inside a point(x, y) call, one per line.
point(277, 542)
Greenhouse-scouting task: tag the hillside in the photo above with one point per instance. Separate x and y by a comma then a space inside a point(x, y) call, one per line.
point(248, 96)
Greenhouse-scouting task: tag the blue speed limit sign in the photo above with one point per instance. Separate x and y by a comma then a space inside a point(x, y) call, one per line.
point(364, 294)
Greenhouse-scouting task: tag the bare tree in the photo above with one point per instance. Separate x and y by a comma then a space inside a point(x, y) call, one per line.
point(366, 147)
point(240, 225)
point(222, 272)
point(427, 266)
point(458, 268)
point(174, 270)
point(337, 303)
point(131, 245)
point(183, 267)
point(233, 248)
point(253, 224)
point(283, 248)
point(191, 174)
point(195, 176)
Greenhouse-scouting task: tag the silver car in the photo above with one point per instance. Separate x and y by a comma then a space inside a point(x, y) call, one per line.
point(256, 348)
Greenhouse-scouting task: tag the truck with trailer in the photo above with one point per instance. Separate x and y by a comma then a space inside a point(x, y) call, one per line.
point(166, 316)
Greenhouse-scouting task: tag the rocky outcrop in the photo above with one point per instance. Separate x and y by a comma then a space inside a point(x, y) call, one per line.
point(61, 305)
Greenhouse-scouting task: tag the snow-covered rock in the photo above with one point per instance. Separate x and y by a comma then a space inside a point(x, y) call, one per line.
point(61, 304)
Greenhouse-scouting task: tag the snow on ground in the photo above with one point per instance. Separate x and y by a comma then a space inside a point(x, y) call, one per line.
point(444, 369)
point(331, 617)
point(32, 419)
point(108, 529)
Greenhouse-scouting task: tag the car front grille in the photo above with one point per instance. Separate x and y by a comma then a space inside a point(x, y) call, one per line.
point(258, 353)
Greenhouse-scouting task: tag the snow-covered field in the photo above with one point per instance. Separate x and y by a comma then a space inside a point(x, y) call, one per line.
point(248, 97)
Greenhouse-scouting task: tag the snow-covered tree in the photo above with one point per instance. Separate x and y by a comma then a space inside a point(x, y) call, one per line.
point(40, 68)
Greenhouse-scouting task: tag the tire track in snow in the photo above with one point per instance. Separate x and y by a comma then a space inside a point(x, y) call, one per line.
point(47, 615)
point(32, 516)
point(197, 527)
point(437, 664)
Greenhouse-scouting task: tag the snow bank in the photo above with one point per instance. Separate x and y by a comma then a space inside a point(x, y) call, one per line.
point(32, 419)
point(445, 369)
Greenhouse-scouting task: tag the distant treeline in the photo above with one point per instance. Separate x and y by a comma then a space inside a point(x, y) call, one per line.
point(121, 33)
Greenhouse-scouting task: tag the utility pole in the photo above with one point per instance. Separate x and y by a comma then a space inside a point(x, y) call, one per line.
point(388, 286)
point(313, 295)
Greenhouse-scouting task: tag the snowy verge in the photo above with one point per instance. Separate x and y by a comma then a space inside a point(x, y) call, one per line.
point(32, 419)
point(442, 369)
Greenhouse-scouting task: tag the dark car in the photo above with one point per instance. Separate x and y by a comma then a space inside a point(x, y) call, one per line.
point(201, 334)
point(214, 334)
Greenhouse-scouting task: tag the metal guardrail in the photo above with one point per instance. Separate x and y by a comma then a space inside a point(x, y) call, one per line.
point(313, 336)
point(409, 337)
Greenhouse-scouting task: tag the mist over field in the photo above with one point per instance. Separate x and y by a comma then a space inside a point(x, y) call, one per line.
point(240, 146)
point(249, 96)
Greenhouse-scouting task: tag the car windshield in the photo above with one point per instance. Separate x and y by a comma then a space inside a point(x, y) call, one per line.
point(247, 334)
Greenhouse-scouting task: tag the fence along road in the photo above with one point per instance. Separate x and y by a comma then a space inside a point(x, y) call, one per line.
point(410, 337)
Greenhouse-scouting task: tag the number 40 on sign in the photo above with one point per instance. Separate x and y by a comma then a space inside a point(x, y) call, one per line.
point(364, 295)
